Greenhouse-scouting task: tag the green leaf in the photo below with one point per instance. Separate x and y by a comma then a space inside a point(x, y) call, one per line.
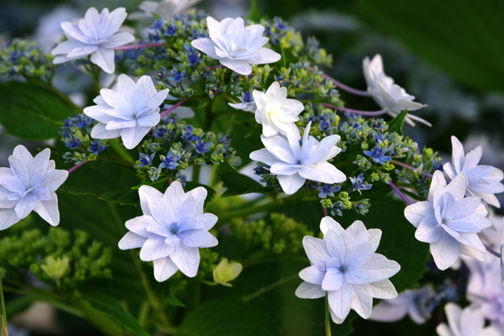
point(169, 296)
point(29, 111)
point(254, 13)
point(396, 124)
point(227, 317)
point(462, 37)
point(106, 180)
point(236, 183)
point(110, 307)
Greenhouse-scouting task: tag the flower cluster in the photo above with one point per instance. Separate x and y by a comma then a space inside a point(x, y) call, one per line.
point(25, 58)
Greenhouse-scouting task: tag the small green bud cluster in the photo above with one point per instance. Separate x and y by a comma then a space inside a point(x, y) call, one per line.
point(25, 58)
point(68, 258)
point(278, 234)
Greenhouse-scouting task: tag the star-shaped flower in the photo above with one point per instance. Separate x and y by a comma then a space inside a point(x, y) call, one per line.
point(345, 265)
point(482, 181)
point(389, 96)
point(236, 46)
point(411, 302)
point(128, 112)
point(29, 185)
point(275, 112)
point(171, 230)
point(467, 322)
point(294, 163)
point(97, 35)
point(449, 222)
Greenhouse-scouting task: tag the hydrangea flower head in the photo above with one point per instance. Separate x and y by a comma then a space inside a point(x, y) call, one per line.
point(95, 34)
point(293, 163)
point(389, 96)
point(128, 112)
point(236, 46)
point(411, 302)
point(482, 181)
point(171, 230)
point(345, 265)
point(275, 112)
point(467, 322)
point(449, 222)
point(29, 185)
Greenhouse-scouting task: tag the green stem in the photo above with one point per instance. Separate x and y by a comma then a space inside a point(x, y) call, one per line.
point(327, 317)
point(271, 286)
point(120, 150)
point(195, 173)
point(3, 312)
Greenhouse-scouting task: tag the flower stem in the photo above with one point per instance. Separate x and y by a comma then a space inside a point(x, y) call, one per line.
point(213, 67)
point(269, 287)
point(345, 87)
point(324, 210)
point(3, 314)
point(77, 166)
point(364, 113)
point(173, 107)
point(327, 323)
point(139, 45)
point(492, 251)
point(407, 166)
point(399, 192)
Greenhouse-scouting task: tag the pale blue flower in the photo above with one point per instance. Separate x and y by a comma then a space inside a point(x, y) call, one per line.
point(467, 322)
point(449, 222)
point(95, 34)
point(171, 230)
point(236, 46)
point(128, 112)
point(345, 265)
point(29, 185)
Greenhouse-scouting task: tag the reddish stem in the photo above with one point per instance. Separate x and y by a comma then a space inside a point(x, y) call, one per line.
point(399, 192)
point(364, 113)
point(177, 104)
point(213, 67)
point(77, 166)
point(325, 211)
point(345, 87)
point(407, 166)
point(140, 45)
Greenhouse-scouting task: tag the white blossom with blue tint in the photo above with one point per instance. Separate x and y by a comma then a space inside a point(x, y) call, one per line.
point(247, 103)
point(482, 181)
point(171, 230)
point(128, 112)
point(345, 265)
point(411, 302)
point(163, 8)
point(467, 322)
point(391, 97)
point(29, 185)
point(236, 46)
point(293, 163)
point(96, 35)
point(449, 222)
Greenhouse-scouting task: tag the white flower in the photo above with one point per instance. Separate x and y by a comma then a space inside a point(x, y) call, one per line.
point(97, 35)
point(467, 322)
point(128, 112)
point(275, 112)
point(247, 103)
point(236, 46)
point(345, 265)
point(163, 8)
point(293, 164)
point(389, 96)
point(449, 222)
point(171, 230)
point(29, 185)
point(411, 302)
point(482, 181)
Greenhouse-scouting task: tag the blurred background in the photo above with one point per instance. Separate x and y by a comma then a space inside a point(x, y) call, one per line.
point(448, 54)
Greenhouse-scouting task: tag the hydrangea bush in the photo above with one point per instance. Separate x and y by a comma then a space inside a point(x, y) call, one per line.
point(220, 179)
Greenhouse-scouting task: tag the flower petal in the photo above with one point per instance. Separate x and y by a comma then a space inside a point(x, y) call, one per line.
point(131, 240)
point(186, 259)
point(164, 268)
point(309, 291)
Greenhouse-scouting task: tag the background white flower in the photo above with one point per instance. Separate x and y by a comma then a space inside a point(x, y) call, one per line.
point(163, 8)
point(95, 34)
point(129, 111)
point(449, 222)
point(467, 322)
point(236, 46)
point(482, 181)
point(171, 230)
point(29, 185)
point(275, 112)
point(345, 265)
point(294, 164)
point(389, 96)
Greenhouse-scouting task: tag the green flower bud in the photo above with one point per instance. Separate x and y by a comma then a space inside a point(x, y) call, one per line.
point(55, 268)
point(225, 272)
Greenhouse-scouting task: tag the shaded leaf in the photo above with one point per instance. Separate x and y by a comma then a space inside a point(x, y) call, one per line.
point(396, 124)
point(254, 14)
point(237, 183)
